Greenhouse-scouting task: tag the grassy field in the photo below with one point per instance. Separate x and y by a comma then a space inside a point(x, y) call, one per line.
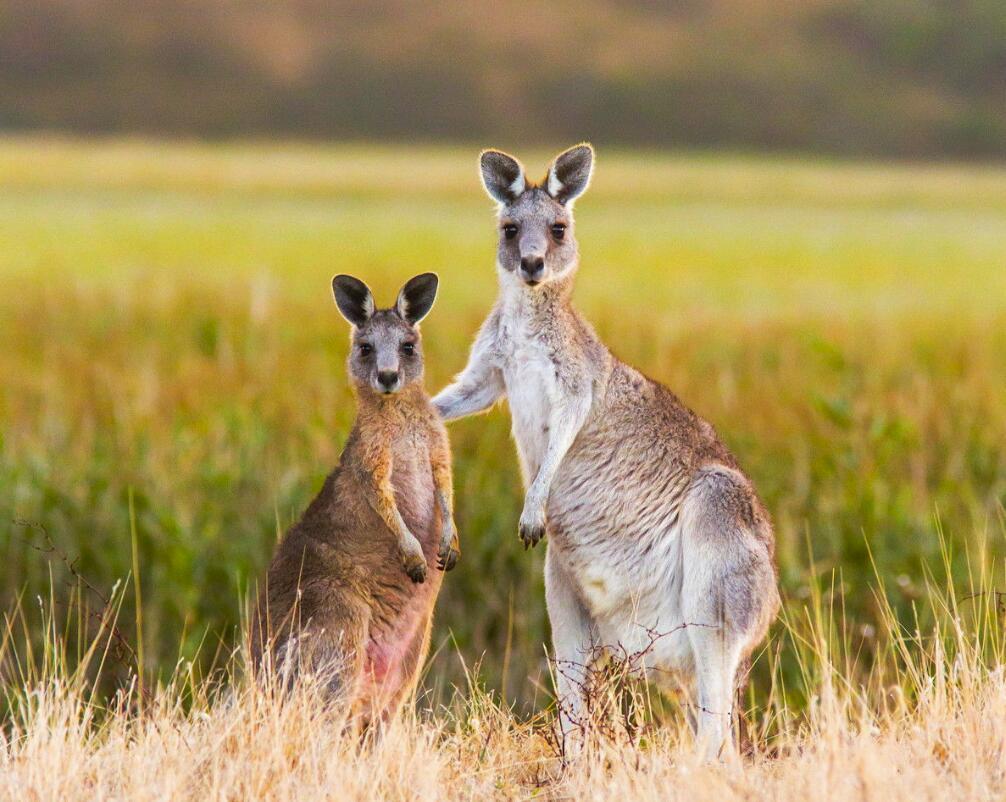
point(173, 393)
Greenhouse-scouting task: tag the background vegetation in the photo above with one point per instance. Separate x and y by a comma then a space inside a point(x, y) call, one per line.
point(173, 371)
point(895, 77)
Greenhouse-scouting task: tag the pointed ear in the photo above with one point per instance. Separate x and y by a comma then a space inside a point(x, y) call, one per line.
point(416, 297)
point(353, 298)
point(502, 176)
point(569, 175)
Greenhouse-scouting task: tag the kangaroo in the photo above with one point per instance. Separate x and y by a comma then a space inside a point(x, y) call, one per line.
point(349, 591)
point(658, 543)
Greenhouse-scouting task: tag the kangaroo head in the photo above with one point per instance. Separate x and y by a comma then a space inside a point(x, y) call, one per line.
point(386, 353)
point(537, 242)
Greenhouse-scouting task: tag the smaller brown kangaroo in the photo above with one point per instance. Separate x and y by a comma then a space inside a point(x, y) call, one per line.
point(349, 593)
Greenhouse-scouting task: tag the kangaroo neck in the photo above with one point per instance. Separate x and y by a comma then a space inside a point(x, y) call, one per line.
point(396, 406)
point(542, 302)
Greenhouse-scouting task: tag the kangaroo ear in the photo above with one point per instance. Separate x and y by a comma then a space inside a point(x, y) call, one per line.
point(569, 175)
point(416, 297)
point(353, 298)
point(502, 176)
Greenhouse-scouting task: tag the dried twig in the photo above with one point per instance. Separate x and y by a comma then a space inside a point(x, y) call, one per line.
point(122, 650)
point(612, 709)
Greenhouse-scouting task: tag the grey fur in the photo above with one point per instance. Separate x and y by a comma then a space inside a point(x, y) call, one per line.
point(502, 175)
point(382, 340)
point(416, 298)
point(653, 527)
point(569, 175)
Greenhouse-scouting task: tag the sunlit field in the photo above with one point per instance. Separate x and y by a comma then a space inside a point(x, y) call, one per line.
point(172, 394)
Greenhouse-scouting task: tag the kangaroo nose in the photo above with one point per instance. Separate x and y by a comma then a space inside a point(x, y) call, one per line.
point(532, 266)
point(387, 378)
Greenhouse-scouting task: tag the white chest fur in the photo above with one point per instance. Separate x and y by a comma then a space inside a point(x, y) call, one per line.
point(531, 387)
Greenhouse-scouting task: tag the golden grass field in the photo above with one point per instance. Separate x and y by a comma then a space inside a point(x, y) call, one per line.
point(173, 394)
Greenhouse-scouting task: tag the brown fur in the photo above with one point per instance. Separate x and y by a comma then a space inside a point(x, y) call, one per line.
point(342, 598)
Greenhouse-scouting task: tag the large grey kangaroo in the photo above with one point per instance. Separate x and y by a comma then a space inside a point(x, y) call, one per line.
point(658, 543)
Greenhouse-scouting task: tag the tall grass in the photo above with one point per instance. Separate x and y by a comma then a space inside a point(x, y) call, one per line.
point(928, 721)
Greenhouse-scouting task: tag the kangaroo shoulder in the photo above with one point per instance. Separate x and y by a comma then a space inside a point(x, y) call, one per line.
point(437, 430)
point(427, 423)
point(492, 330)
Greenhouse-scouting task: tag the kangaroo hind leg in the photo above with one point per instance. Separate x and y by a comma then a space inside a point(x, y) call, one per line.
point(573, 641)
point(728, 596)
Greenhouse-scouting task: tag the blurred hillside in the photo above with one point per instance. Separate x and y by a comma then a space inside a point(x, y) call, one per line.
point(907, 78)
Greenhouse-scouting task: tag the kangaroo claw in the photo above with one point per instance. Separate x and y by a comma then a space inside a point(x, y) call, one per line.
point(415, 567)
point(530, 534)
point(417, 573)
point(446, 562)
point(450, 548)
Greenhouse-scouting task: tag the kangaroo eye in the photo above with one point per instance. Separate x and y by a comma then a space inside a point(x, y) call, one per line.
point(366, 348)
point(409, 349)
point(510, 231)
point(558, 230)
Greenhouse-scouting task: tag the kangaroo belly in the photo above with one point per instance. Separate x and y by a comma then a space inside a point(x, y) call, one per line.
point(403, 609)
point(391, 655)
point(394, 641)
point(415, 497)
point(614, 518)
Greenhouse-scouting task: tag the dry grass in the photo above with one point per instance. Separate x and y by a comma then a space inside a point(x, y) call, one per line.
point(934, 728)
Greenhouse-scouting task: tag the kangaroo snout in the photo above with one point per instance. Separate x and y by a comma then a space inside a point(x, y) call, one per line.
point(532, 268)
point(387, 380)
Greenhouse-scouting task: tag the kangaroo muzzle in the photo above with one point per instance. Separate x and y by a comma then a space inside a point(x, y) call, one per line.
point(387, 381)
point(532, 269)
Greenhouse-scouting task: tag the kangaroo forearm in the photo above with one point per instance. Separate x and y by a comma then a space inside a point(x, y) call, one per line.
point(461, 399)
point(381, 497)
point(409, 547)
point(480, 384)
point(445, 505)
point(373, 474)
point(444, 485)
point(450, 546)
point(467, 397)
point(564, 426)
point(383, 502)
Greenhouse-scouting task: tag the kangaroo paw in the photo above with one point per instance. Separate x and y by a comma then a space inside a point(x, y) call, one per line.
point(414, 563)
point(448, 557)
point(532, 523)
point(531, 533)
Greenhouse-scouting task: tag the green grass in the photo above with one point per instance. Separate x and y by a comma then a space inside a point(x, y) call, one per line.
point(167, 331)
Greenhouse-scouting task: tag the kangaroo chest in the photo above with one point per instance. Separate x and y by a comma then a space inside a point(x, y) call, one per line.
point(532, 388)
point(412, 480)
